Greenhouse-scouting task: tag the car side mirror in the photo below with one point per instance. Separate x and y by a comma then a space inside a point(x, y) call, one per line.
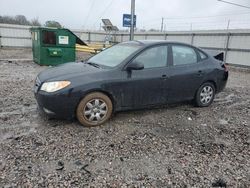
point(135, 66)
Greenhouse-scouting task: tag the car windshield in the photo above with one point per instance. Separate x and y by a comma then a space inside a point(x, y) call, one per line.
point(114, 55)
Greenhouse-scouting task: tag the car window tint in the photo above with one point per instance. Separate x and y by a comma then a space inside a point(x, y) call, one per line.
point(202, 55)
point(153, 57)
point(183, 55)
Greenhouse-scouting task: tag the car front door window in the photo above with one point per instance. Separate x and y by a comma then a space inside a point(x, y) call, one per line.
point(153, 57)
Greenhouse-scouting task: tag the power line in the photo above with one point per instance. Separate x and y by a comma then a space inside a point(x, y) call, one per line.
point(204, 25)
point(103, 12)
point(184, 22)
point(158, 20)
point(198, 17)
point(91, 7)
point(231, 3)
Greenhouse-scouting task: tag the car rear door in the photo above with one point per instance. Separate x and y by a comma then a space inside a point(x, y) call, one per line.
point(146, 87)
point(185, 74)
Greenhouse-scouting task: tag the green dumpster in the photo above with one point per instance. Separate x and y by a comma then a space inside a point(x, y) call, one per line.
point(52, 46)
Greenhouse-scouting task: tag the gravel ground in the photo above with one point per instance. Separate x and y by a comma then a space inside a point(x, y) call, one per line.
point(175, 146)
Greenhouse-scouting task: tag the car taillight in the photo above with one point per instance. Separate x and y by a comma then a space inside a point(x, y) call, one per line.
point(224, 67)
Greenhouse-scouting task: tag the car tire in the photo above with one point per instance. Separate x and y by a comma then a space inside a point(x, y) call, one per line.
point(94, 109)
point(205, 95)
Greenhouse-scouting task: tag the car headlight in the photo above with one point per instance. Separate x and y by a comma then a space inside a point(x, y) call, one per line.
point(54, 86)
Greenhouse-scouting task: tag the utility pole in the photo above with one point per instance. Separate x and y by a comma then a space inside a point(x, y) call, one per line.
point(132, 19)
point(228, 24)
point(162, 23)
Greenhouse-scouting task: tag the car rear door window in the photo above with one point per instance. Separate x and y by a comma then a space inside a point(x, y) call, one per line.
point(153, 57)
point(183, 55)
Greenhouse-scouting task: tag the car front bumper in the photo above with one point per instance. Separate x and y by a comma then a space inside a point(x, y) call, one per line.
point(59, 105)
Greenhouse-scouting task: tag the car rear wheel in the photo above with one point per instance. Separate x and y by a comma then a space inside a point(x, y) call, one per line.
point(94, 109)
point(205, 95)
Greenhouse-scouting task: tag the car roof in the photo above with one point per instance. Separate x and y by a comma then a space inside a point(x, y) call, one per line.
point(155, 42)
point(147, 43)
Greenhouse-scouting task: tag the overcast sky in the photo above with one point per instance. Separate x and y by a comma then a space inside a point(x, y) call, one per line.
point(87, 14)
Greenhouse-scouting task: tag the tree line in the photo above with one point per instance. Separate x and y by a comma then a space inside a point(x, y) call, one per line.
point(22, 20)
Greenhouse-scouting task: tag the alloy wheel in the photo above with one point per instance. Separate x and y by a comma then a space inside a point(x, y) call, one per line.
point(206, 94)
point(95, 110)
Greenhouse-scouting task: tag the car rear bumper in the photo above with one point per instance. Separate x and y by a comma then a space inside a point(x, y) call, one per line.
point(222, 82)
point(60, 106)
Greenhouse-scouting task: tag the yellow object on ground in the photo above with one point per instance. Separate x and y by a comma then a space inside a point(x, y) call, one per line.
point(92, 48)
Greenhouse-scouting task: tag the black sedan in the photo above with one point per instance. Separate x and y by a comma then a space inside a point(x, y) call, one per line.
point(130, 75)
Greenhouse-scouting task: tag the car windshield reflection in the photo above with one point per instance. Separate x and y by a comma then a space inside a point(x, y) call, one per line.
point(114, 56)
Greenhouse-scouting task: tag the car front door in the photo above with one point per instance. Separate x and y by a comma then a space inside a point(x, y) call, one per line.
point(146, 87)
point(185, 73)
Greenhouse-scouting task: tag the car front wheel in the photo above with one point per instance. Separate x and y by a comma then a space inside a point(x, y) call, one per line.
point(205, 95)
point(94, 109)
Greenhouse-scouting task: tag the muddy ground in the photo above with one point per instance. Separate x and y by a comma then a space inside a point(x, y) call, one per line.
point(175, 146)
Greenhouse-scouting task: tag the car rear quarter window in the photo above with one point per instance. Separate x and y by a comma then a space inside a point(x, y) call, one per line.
point(183, 55)
point(202, 55)
point(153, 57)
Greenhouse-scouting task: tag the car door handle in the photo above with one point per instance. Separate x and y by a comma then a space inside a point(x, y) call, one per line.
point(200, 73)
point(164, 77)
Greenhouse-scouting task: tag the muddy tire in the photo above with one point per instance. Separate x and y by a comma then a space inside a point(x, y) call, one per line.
point(205, 95)
point(94, 109)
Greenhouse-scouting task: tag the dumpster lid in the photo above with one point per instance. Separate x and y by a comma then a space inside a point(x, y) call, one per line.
point(78, 40)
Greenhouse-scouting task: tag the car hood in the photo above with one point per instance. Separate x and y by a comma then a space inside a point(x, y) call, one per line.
point(67, 71)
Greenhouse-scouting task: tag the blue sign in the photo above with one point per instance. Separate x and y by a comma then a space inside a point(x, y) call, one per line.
point(127, 20)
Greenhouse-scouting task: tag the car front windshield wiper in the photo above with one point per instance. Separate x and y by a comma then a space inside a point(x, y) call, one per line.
point(93, 64)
